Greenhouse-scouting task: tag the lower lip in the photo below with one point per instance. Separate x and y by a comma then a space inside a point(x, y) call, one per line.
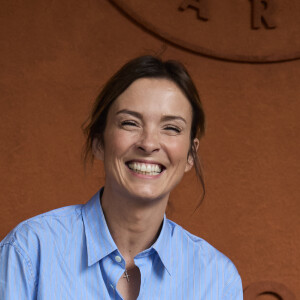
point(145, 176)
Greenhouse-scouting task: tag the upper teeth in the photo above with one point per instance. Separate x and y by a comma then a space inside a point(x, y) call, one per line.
point(147, 168)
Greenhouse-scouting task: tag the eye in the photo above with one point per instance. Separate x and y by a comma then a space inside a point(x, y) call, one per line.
point(172, 128)
point(129, 123)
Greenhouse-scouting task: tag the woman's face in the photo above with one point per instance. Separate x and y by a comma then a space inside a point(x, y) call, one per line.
point(147, 140)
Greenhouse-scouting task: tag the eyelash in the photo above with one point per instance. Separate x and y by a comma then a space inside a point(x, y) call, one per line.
point(168, 128)
point(176, 129)
point(128, 123)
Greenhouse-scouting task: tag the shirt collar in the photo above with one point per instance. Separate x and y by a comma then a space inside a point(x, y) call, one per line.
point(98, 239)
point(163, 245)
point(100, 243)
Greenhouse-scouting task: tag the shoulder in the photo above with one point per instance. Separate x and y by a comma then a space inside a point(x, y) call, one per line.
point(204, 254)
point(29, 235)
point(36, 239)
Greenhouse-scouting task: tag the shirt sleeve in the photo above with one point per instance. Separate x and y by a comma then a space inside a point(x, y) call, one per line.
point(234, 289)
point(16, 277)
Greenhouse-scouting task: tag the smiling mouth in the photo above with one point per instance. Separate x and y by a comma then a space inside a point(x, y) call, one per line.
point(144, 168)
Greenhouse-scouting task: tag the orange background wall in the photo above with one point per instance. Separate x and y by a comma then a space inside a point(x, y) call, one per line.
point(56, 55)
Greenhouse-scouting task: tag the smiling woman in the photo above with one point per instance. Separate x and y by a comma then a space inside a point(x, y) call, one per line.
point(151, 68)
point(145, 126)
point(148, 126)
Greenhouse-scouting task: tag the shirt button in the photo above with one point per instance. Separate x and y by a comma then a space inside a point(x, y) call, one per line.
point(118, 258)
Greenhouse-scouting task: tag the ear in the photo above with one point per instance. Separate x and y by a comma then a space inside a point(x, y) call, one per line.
point(190, 159)
point(97, 148)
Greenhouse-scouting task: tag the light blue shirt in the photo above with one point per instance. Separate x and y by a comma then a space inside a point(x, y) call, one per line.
point(68, 253)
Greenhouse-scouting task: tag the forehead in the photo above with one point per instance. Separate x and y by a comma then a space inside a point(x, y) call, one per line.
point(154, 96)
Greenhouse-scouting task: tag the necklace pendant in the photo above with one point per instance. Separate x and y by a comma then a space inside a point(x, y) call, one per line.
point(126, 275)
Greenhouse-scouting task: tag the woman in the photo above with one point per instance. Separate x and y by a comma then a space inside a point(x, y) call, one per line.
point(145, 127)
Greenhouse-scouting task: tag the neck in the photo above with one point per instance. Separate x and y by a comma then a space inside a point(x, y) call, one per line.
point(134, 225)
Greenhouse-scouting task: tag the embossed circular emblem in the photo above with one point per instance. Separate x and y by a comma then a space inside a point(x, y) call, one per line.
point(260, 288)
point(247, 31)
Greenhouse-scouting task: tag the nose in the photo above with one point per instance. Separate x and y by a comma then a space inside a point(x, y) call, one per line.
point(149, 141)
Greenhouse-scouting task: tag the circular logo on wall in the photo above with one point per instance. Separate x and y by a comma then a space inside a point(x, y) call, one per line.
point(257, 31)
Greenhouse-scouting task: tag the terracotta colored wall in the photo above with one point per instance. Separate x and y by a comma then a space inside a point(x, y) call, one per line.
point(54, 58)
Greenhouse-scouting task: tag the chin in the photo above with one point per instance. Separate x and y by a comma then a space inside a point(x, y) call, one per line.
point(147, 194)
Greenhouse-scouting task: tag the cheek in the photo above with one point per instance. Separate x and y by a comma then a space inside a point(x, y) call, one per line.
point(117, 142)
point(178, 150)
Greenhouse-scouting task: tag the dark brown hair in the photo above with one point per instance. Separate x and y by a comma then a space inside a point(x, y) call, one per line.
point(145, 67)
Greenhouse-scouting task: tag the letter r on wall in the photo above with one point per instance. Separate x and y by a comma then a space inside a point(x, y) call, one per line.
point(263, 13)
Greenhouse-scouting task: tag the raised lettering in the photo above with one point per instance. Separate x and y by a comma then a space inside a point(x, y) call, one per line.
point(201, 6)
point(263, 13)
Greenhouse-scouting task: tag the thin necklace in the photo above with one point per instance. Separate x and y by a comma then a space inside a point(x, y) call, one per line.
point(126, 275)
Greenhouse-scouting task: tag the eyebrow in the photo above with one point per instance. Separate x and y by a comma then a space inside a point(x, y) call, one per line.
point(171, 118)
point(138, 115)
point(130, 112)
